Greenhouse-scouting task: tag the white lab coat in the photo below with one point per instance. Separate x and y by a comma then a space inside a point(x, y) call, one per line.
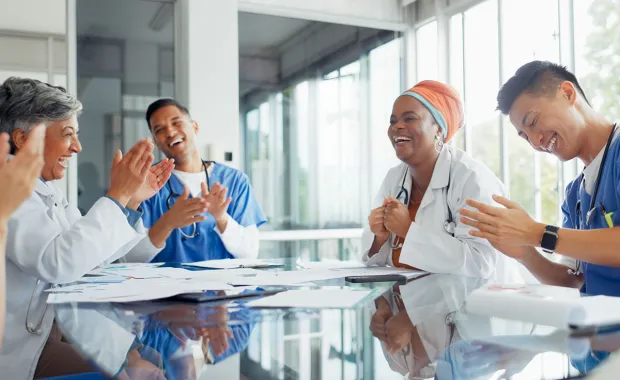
point(433, 304)
point(49, 240)
point(427, 245)
point(97, 335)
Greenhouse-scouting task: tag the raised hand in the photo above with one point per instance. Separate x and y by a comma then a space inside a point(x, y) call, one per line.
point(217, 200)
point(129, 172)
point(376, 222)
point(397, 219)
point(502, 226)
point(185, 211)
point(156, 178)
point(19, 175)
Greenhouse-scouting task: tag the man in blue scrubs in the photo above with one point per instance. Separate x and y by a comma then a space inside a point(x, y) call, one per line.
point(207, 210)
point(549, 109)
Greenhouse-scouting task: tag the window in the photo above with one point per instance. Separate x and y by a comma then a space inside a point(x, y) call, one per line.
point(427, 57)
point(457, 67)
point(481, 59)
point(532, 177)
point(384, 87)
point(316, 146)
point(120, 71)
point(479, 63)
point(596, 53)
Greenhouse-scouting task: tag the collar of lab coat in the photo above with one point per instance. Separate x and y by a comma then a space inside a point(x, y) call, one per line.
point(441, 173)
point(440, 178)
point(43, 188)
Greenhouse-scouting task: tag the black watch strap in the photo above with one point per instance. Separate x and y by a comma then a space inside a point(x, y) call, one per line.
point(549, 239)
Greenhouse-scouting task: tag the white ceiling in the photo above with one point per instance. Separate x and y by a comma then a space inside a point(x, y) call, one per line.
point(129, 20)
point(259, 33)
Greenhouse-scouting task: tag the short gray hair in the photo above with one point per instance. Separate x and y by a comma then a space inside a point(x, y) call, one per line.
point(24, 103)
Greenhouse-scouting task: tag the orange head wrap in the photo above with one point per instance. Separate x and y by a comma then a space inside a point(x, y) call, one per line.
point(443, 102)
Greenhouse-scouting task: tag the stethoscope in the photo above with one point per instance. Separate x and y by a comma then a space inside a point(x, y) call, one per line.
point(592, 209)
point(403, 195)
point(35, 329)
point(428, 370)
point(169, 202)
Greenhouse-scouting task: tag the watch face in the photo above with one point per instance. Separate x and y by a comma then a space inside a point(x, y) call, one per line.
point(549, 241)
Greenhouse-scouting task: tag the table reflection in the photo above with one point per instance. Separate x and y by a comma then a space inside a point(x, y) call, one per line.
point(416, 330)
point(156, 340)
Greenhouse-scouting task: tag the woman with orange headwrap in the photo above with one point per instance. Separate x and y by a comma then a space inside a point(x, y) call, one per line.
point(415, 221)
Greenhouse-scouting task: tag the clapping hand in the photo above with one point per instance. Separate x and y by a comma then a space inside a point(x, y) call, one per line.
point(19, 175)
point(156, 178)
point(217, 202)
point(129, 172)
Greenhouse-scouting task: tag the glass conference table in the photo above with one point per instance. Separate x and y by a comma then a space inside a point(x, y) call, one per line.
point(428, 336)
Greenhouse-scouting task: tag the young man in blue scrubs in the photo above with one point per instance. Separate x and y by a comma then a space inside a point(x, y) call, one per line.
point(207, 210)
point(549, 109)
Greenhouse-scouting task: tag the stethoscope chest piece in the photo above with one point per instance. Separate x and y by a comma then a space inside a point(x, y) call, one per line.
point(449, 226)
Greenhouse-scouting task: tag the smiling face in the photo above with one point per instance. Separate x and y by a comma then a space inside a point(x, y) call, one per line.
point(551, 124)
point(61, 143)
point(412, 131)
point(174, 133)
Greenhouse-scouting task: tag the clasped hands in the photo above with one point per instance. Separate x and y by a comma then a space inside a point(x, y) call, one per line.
point(391, 217)
point(393, 330)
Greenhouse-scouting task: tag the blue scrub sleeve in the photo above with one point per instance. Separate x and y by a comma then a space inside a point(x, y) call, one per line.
point(132, 215)
point(148, 211)
point(244, 207)
point(241, 334)
point(569, 204)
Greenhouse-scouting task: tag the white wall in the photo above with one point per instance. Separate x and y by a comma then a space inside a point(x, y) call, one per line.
point(381, 14)
point(40, 16)
point(207, 71)
point(38, 19)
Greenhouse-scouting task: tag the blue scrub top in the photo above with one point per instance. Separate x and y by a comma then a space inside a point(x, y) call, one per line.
point(207, 245)
point(599, 279)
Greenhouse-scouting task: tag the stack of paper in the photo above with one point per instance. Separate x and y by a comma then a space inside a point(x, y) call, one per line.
point(544, 304)
point(141, 282)
point(130, 290)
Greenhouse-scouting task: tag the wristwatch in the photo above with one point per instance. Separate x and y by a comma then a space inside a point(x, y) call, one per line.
point(549, 239)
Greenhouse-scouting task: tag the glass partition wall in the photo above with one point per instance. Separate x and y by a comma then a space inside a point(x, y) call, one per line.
point(315, 100)
point(125, 61)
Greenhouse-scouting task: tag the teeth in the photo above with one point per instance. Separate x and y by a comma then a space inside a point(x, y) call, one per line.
point(552, 143)
point(64, 162)
point(176, 142)
point(401, 138)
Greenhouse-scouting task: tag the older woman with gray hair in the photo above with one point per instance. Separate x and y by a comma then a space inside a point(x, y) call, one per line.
point(48, 240)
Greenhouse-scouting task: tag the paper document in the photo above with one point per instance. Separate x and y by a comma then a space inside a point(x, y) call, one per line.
point(328, 264)
point(230, 264)
point(544, 304)
point(131, 290)
point(313, 299)
point(142, 271)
